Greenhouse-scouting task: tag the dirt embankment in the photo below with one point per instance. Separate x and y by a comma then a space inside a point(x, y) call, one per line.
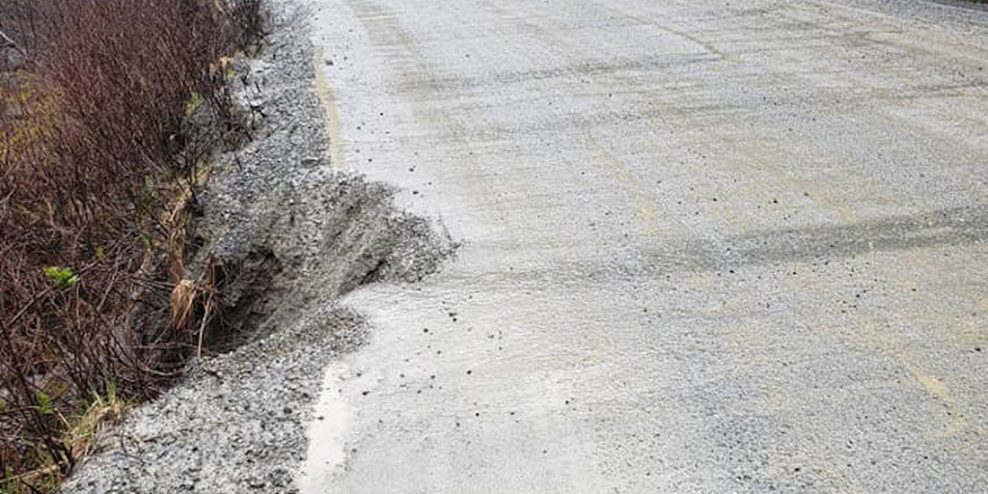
point(289, 236)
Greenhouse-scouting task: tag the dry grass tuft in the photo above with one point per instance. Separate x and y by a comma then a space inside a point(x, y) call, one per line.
point(83, 431)
point(183, 301)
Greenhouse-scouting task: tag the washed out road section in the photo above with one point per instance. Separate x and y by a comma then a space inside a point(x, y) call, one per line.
point(708, 246)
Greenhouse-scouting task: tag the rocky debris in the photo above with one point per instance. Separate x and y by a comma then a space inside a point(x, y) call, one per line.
point(300, 235)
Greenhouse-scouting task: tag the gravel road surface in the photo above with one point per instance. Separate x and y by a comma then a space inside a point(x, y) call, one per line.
point(708, 246)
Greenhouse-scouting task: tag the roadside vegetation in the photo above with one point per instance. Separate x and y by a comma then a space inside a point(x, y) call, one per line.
point(110, 111)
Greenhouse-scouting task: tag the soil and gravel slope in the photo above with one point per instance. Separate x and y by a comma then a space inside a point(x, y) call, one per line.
point(300, 234)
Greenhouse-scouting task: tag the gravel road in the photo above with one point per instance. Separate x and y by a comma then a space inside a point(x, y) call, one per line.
point(708, 246)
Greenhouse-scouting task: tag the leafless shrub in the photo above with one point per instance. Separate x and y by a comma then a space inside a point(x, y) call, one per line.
point(104, 129)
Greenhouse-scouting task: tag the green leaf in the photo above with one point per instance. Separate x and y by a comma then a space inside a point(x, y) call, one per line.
point(61, 277)
point(45, 403)
point(193, 104)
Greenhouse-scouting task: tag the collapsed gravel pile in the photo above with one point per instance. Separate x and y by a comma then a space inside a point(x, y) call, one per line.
point(301, 235)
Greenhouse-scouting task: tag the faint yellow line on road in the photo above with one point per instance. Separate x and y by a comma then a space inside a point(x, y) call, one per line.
point(956, 422)
point(873, 332)
point(328, 101)
point(876, 332)
point(769, 157)
point(921, 367)
point(639, 201)
point(646, 212)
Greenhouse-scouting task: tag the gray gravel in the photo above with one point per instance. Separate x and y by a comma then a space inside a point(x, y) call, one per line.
point(278, 209)
point(710, 246)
